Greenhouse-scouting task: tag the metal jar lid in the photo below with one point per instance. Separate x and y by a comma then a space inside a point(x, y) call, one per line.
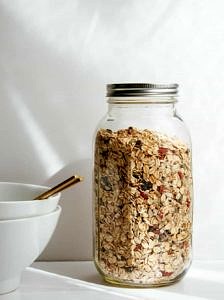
point(141, 90)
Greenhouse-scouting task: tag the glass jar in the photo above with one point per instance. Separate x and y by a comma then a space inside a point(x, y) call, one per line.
point(142, 188)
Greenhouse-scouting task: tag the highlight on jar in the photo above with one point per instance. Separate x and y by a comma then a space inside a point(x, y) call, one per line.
point(143, 188)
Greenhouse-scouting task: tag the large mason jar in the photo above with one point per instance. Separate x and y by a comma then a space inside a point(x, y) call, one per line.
point(142, 187)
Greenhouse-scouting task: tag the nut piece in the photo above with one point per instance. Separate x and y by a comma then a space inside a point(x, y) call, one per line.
point(143, 205)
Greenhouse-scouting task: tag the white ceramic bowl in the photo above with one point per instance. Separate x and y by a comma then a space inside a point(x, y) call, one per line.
point(16, 201)
point(21, 242)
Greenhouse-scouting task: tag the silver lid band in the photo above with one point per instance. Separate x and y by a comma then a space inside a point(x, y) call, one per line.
point(141, 90)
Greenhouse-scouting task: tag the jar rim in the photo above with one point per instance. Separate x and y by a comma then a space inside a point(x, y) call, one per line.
point(142, 90)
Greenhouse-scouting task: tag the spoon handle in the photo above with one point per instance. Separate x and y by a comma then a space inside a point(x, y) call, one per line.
point(61, 186)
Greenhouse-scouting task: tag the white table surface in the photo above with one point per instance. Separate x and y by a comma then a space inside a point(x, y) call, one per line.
point(80, 280)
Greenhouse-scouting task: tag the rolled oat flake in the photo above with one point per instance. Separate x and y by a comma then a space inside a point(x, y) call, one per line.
point(142, 187)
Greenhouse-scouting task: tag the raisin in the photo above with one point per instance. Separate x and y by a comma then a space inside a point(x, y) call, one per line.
point(105, 154)
point(129, 269)
point(106, 140)
point(105, 183)
point(155, 229)
point(121, 206)
point(130, 130)
point(164, 236)
point(136, 175)
point(146, 185)
point(138, 144)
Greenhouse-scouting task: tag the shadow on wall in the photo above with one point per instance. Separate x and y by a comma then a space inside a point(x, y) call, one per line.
point(76, 217)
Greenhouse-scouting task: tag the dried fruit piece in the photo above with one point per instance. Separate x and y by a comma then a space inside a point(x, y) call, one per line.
point(105, 183)
point(162, 152)
point(180, 175)
point(138, 247)
point(144, 195)
point(146, 185)
point(164, 273)
point(188, 202)
point(161, 189)
point(160, 214)
point(138, 144)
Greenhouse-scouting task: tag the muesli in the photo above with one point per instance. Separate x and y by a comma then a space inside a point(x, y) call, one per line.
point(143, 205)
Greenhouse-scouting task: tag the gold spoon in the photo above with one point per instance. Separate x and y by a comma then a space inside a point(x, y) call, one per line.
point(60, 187)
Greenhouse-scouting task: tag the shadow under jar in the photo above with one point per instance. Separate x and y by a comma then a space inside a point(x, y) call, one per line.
point(142, 188)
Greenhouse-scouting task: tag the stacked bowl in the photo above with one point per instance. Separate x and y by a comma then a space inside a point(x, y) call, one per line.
point(26, 226)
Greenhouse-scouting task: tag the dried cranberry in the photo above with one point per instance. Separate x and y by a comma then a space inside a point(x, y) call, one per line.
point(188, 202)
point(160, 214)
point(181, 175)
point(162, 152)
point(164, 273)
point(138, 247)
point(144, 195)
point(161, 189)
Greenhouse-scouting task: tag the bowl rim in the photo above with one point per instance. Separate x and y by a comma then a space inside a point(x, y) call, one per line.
point(58, 195)
point(56, 211)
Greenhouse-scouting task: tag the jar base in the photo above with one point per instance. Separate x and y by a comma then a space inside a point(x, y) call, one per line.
point(119, 283)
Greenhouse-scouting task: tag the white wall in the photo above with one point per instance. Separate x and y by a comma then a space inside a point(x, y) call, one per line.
point(55, 58)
